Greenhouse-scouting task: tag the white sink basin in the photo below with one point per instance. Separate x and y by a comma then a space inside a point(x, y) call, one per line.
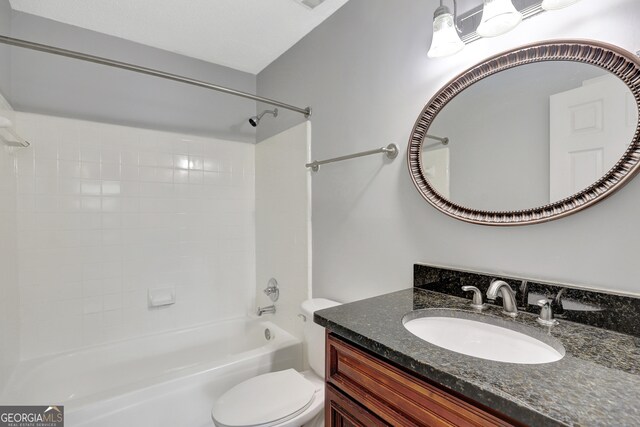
point(484, 340)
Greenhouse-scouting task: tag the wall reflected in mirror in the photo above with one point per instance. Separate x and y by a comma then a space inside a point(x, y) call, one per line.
point(529, 136)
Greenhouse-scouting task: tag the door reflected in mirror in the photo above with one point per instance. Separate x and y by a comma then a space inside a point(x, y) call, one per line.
point(529, 136)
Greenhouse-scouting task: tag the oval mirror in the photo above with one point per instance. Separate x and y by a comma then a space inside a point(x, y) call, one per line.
point(530, 135)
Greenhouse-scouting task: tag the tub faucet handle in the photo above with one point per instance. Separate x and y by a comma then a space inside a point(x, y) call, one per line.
point(546, 313)
point(477, 297)
point(272, 290)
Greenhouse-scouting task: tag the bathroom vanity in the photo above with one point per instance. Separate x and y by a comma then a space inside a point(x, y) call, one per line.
point(378, 373)
point(362, 387)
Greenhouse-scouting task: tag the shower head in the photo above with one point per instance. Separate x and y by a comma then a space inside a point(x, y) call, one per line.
point(255, 120)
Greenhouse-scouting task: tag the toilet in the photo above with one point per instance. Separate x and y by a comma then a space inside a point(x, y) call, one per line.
point(285, 398)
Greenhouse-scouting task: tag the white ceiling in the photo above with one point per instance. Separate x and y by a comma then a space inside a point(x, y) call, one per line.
point(243, 34)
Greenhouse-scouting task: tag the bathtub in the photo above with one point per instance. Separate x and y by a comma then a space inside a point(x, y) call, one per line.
point(164, 380)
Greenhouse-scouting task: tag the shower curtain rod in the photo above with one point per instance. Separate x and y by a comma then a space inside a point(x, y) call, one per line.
point(149, 71)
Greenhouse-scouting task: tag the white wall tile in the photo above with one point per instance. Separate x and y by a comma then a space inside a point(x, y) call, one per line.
point(9, 291)
point(9, 250)
point(108, 212)
point(282, 219)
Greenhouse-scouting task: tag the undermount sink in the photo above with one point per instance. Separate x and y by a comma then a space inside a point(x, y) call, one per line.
point(484, 337)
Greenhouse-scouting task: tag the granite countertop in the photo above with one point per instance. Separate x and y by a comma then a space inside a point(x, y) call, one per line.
point(597, 383)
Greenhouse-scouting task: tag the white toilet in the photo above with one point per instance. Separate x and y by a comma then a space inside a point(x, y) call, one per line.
point(281, 399)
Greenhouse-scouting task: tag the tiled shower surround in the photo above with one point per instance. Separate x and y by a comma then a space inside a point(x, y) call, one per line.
point(106, 213)
point(9, 297)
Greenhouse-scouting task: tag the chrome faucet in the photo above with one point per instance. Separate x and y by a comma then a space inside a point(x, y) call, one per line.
point(268, 310)
point(509, 306)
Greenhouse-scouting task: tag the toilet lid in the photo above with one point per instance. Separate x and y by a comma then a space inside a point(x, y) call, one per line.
point(264, 400)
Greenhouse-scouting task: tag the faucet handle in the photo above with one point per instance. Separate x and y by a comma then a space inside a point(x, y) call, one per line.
point(477, 297)
point(272, 290)
point(546, 313)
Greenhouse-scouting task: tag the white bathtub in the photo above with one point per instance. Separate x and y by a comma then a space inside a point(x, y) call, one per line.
point(165, 380)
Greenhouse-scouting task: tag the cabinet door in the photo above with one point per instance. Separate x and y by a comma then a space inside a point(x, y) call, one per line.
point(398, 397)
point(340, 411)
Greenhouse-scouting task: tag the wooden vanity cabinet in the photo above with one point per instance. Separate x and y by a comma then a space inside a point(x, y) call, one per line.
point(343, 412)
point(365, 390)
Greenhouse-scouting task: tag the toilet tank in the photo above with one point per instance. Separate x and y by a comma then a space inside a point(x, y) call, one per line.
point(314, 333)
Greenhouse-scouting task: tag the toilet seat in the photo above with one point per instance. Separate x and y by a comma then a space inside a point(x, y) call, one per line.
point(266, 400)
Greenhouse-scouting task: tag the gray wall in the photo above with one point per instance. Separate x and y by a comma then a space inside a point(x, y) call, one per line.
point(47, 84)
point(5, 67)
point(366, 74)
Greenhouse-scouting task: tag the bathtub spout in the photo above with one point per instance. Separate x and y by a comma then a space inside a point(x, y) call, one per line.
point(262, 310)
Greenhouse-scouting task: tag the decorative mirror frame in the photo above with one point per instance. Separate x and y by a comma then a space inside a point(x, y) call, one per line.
point(617, 61)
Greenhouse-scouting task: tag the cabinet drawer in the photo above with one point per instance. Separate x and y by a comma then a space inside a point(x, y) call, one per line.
point(395, 396)
point(340, 411)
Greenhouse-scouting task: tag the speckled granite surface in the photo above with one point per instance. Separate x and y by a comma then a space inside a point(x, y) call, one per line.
point(597, 383)
point(619, 313)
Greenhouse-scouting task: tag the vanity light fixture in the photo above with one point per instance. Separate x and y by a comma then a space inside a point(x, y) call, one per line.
point(498, 17)
point(557, 4)
point(446, 40)
point(490, 18)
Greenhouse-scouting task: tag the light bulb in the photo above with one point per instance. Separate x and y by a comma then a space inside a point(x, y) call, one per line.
point(446, 40)
point(557, 4)
point(498, 17)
